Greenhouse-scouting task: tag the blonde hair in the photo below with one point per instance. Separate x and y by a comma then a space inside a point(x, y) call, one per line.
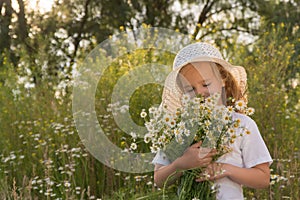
point(233, 91)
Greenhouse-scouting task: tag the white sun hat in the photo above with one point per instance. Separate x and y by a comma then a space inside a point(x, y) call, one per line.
point(197, 52)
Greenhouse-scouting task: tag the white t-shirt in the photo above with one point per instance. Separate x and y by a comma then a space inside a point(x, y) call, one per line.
point(247, 151)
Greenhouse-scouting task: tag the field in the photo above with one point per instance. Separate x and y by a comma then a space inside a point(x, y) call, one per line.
point(42, 156)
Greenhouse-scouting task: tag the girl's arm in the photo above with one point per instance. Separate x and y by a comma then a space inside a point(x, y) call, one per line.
point(255, 177)
point(190, 159)
point(168, 173)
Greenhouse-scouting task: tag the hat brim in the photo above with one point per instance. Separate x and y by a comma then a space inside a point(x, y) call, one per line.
point(222, 62)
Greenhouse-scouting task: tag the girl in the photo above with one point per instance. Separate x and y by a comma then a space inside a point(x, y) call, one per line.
point(200, 69)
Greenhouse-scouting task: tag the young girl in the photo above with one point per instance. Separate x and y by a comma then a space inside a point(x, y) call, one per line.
point(200, 69)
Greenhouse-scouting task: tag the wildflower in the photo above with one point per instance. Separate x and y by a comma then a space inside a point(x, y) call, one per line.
point(161, 139)
point(179, 139)
point(185, 99)
point(207, 123)
point(209, 100)
point(230, 109)
point(181, 125)
point(123, 143)
point(143, 114)
point(67, 184)
point(147, 138)
point(216, 96)
point(156, 114)
point(214, 188)
point(149, 183)
point(231, 131)
point(187, 132)
point(197, 101)
point(178, 131)
point(240, 105)
point(150, 126)
point(152, 110)
point(133, 146)
point(138, 178)
point(172, 123)
point(226, 118)
point(154, 149)
point(206, 175)
point(133, 135)
point(237, 123)
point(250, 111)
point(247, 132)
point(233, 136)
point(167, 118)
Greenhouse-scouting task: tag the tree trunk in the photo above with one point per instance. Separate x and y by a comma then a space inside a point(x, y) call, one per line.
point(23, 28)
point(5, 21)
point(80, 31)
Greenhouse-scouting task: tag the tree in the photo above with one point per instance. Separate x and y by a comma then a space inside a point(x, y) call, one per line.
point(58, 38)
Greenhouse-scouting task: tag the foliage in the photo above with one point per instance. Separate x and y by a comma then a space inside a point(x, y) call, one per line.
point(270, 67)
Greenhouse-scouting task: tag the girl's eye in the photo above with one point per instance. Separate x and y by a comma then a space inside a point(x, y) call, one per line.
point(189, 90)
point(206, 85)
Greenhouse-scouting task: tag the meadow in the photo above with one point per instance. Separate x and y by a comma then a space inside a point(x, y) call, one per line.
point(42, 156)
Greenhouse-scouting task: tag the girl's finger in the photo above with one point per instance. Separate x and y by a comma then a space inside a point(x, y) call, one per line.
point(197, 145)
point(199, 179)
point(205, 161)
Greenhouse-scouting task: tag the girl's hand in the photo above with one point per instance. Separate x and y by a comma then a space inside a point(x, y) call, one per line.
point(257, 176)
point(193, 159)
point(213, 171)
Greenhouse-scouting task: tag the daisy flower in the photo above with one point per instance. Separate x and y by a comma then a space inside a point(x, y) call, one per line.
point(133, 135)
point(240, 105)
point(169, 120)
point(143, 114)
point(225, 119)
point(156, 114)
point(181, 125)
point(230, 109)
point(147, 138)
point(152, 110)
point(185, 99)
point(150, 126)
point(179, 139)
point(250, 111)
point(133, 146)
point(172, 123)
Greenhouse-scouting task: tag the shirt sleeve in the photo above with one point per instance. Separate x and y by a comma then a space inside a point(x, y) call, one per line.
point(161, 158)
point(254, 149)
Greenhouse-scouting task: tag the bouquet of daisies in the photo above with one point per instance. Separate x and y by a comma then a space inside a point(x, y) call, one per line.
point(199, 119)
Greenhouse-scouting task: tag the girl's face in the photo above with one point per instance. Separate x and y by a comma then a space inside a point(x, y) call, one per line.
point(200, 78)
